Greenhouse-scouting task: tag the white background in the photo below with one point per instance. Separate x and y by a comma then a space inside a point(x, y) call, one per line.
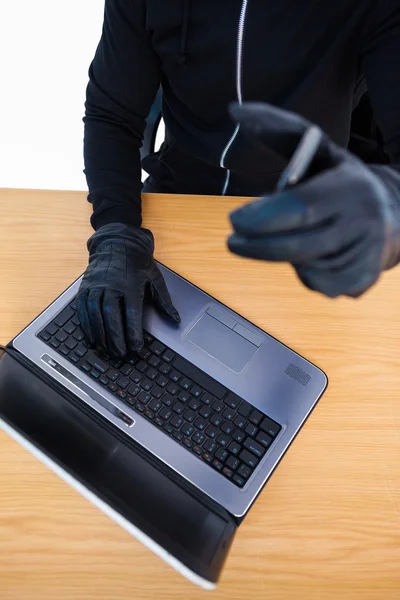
point(46, 47)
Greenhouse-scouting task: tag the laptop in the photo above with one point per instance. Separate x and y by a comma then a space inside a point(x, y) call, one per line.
point(174, 443)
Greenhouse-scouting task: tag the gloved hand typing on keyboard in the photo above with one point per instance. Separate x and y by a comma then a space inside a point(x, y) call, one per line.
point(110, 300)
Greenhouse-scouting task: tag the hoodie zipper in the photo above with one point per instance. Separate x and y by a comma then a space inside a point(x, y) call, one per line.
point(239, 69)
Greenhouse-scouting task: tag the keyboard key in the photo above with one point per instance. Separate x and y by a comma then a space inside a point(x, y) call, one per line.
point(97, 363)
point(187, 442)
point(216, 420)
point(174, 376)
point(141, 366)
point(155, 405)
point(157, 348)
point(184, 396)
point(205, 412)
point(54, 343)
point(52, 329)
point(194, 404)
point(144, 397)
point(154, 361)
point(200, 423)
point(168, 428)
point(186, 384)
point(197, 450)
point(123, 382)
point(147, 337)
point(221, 454)
point(232, 400)
point(112, 387)
point(75, 320)
point(131, 360)
point(196, 391)
point(63, 350)
point(270, 427)
point(207, 457)
point(121, 394)
point(209, 446)
point(198, 437)
point(78, 334)
point(133, 389)
point(264, 439)
point(190, 415)
point(228, 413)
point(248, 458)
point(168, 400)
point(223, 440)
point(69, 328)
point(61, 336)
point(227, 472)
point(71, 343)
point(162, 381)
point(95, 374)
point(218, 406)
point(244, 471)
point(64, 316)
point(232, 462)
point(176, 421)
point(251, 430)
point(44, 336)
point(144, 353)
point(165, 413)
point(115, 363)
point(217, 464)
point(149, 414)
point(168, 356)
point(157, 392)
point(159, 421)
point(207, 398)
point(135, 376)
point(164, 368)
point(187, 429)
point(234, 448)
point(151, 373)
point(104, 380)
point(130, 400)
point(140, 407)
point(212, 431)
point(173, 388)
point(81, 350)
point(239, 480)
point(202, 379)
point(227, 427)
point(146, 384)
point(126, 369)
point(244, 409)
point(255, 417)
point(73, 305)
point(84, 366)
point(74, 358)
point(254, 447)
point(178, 435)
point(178, 408)
point(240, 422)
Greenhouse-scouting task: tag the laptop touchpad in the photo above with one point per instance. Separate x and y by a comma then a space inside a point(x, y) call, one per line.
point(222, 342)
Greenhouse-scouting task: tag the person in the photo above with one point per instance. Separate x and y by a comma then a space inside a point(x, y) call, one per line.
point(241, 82)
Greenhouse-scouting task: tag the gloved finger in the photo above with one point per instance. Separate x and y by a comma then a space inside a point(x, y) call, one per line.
point(133, 311)
point(309, 204)
point(297, 247)
point(348, 255)
point(82, 310)
point(161, 296)
point(95, 310)
point(351, 282)
point(281, 130)
point(113, 318)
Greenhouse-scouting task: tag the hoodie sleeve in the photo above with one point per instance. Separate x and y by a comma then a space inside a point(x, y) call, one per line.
point(124, 77)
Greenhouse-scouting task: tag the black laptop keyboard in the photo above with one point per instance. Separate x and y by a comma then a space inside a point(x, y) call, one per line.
point(202, 415)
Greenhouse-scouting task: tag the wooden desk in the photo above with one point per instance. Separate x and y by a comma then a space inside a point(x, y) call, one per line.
point(327, 526)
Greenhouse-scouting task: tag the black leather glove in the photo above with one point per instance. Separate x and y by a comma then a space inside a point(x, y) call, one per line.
point(110, 298)
point(339, 228)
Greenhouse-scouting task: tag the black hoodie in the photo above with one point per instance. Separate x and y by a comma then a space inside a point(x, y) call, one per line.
point(314, 57)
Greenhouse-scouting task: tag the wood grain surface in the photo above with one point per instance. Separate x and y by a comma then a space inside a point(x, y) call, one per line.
point(327, 525)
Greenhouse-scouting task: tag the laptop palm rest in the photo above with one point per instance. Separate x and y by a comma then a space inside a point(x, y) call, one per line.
point(221, 341)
